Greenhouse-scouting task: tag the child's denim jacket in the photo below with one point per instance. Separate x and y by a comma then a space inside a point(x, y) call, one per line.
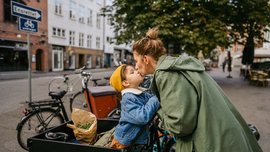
point(137, 108)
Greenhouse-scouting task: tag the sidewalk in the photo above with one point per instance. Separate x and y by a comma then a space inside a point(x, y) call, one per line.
point(12, 75)
point(251, 101)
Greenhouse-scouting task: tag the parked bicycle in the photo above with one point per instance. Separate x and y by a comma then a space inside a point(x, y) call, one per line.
point(40, 116)
point(66, 83)
point(95, 83)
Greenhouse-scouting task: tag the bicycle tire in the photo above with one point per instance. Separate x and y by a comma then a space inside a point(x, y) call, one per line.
point(78, 101)
point(170, 146)
point(25, 129)
point(114, 114)
point(58, 84)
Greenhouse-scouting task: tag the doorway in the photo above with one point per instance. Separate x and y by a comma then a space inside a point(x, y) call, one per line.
point(57, 59)
point(81, 60)
point(38, 60)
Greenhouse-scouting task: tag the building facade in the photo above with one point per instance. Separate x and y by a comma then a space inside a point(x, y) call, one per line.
point(13, 43)
point(75, 34)
point(114, 55)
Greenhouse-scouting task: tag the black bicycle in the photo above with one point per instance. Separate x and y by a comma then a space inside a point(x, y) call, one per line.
point(95, 83)
point(40, 116)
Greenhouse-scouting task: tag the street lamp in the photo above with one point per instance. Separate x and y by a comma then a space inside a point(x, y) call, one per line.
point(43, 37)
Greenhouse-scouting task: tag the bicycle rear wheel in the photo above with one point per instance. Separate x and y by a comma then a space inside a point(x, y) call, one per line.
point(78, 101)
point(35, 123)
point(58, 84)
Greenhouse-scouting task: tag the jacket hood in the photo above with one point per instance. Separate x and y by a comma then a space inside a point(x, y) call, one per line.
point(182, 63)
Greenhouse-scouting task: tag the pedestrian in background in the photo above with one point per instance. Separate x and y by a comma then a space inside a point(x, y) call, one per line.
point(223, 65)
point(194, 108)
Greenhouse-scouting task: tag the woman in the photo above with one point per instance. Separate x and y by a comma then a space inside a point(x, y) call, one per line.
point(194, 108)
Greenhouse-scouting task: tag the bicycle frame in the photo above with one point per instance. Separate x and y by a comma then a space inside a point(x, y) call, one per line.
point(68, 80)
point(57, 103)
point(164, 140)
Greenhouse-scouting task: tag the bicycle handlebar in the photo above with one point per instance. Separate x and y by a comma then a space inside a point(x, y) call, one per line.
point(79, 70)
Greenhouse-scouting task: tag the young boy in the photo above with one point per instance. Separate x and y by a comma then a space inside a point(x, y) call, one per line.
point(137, 107)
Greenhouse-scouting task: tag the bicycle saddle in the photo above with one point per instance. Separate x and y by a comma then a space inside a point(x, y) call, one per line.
point(61, 136)
point(107, 77)
point(57, 95)
point(95, 79)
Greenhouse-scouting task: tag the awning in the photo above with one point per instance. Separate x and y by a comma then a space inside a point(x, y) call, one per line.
point(2, 39)
point(258, 53)
point(262, 53)
point(12, 48)
point(8, 47)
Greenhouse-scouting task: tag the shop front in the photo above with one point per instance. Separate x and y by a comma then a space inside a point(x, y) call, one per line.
point(79, 57)
point(13, 55)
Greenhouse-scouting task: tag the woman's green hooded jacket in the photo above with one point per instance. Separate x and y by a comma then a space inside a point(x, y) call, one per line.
point(196, 111)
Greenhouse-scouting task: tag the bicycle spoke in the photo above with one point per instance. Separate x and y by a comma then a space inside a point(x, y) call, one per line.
point(37, 123)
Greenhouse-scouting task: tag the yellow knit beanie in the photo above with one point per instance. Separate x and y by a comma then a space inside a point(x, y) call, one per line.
point(116, 81)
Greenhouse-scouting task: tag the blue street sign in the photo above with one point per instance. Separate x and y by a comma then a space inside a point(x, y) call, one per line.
point(28, 25)
point(21, 10)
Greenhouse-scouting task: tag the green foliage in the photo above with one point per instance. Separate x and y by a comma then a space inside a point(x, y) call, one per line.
point(195, 24)
point(86, 125)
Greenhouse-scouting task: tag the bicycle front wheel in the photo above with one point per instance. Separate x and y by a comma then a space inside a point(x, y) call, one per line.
point(58, 84)
point(37, 122)
point(171, 146)
point(78, 101)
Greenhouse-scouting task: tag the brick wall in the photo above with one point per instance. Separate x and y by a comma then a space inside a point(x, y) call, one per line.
point(9, 30)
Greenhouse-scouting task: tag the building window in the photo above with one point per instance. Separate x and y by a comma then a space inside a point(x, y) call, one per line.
point(109, 21)
point(81, 35)
point(72, 61)
point(72, 10)
point(89, 16)
point(89, 41)
point(98, 42)
point(89, 61)
point(71, 37)
point(81, 13)
point(98, 20)
point(97, 61)
point(108, 2)
point(99, 2)
point(7, 11)
point(109, 39)
point(59, 32)
point(58, 6)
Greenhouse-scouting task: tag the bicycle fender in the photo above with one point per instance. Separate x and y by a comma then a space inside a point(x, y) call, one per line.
point(20, 122)
point(79, 92)
point(24, 118)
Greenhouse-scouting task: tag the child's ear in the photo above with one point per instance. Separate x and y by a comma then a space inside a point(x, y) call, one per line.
point(125, 83)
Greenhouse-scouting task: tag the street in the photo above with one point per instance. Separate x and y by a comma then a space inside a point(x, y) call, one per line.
point(252, 102)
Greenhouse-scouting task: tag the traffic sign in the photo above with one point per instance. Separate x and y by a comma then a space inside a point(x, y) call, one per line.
point(18, 9)
point(28, 25)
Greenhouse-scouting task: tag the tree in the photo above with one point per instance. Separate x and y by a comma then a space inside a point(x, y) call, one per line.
point(194, 24)
point(247, 19)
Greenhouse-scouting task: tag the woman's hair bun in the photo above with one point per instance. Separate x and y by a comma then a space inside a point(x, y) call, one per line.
point(152, 33)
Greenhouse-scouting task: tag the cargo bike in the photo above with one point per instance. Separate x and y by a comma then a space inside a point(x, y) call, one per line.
point(42, 115)
point(40, 143)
